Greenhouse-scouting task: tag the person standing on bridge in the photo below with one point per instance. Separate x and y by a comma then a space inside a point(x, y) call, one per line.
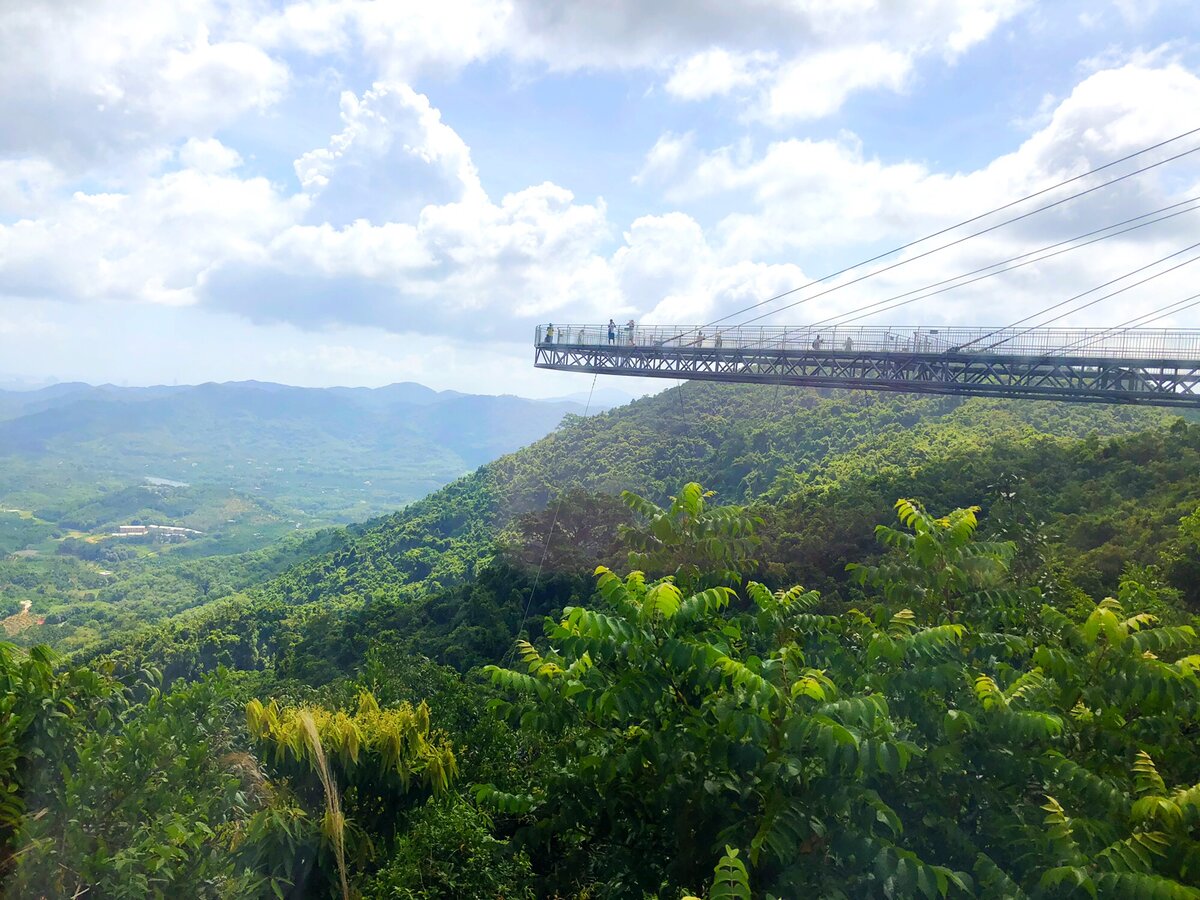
point(629, 326)
point(612, 331)
point(717, 340)
point(816, 344)
point(548, 338)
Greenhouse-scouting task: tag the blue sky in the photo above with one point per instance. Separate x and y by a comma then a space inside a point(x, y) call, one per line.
point(347, 192)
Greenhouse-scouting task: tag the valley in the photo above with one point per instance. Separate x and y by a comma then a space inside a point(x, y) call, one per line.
point(850, 550)
point(80, 464)
point(475, 620)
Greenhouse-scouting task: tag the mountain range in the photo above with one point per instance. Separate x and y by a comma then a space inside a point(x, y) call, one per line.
point(314, 455)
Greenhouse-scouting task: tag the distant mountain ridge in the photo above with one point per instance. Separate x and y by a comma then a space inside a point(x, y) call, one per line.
point(825, 467)
point(329, 454)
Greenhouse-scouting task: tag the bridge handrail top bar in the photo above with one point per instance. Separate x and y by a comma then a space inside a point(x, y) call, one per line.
point(686, 331)
point(1111, 342)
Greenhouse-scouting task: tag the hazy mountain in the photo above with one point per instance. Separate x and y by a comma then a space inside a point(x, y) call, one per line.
point(314, 455)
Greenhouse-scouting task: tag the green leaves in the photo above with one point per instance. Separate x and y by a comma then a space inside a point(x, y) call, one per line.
point(958, 715)
point(690, 539)
point(731, 881)
point(662, 602)
point(503, 801)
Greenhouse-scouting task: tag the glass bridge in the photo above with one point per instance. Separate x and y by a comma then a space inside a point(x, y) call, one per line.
point(1152, 366)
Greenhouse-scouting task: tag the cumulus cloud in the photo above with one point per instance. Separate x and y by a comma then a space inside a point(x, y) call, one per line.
point(794, 61)
point(818, 85)
point(402, 40)
point(209, 156)
point(716, 72)
point(445, 258)
point(775, 51)
point(89, 83)
point(153, 244)
point(814, 199)
point(394, 157)
point(383, 222)
point(26, 185)
point(106, 87)
point(669, 269)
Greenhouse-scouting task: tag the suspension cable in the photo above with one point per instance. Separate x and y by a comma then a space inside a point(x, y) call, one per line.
point(1080, 296)
point(922, 293)
point(1083, 306)
point(956, 242)
point(1145, 318)
point(961, 224)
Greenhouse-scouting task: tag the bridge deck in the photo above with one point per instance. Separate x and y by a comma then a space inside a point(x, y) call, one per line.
point(1149, 366)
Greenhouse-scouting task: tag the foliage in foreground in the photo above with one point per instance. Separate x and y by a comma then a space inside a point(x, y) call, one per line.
point(986, 746)
point(955, 732)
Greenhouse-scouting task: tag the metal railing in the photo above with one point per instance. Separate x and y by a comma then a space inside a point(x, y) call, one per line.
point(1110, 343)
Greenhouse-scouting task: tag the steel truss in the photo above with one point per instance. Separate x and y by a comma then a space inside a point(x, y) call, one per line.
point(1080, 379)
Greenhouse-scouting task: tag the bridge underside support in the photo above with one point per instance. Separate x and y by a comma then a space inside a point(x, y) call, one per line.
point(1156, 382)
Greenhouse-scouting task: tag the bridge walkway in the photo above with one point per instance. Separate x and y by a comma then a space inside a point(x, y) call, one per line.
point(1158, 367)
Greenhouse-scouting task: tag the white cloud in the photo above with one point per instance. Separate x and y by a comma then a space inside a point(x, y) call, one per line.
point(704, 48)
point(394, 157)
point(817, 85)
point(716, 72)
point(827, 203)
point(107, 88)
point(388, 227)
point(401, 40)
point(209, 156)
point(793, 60)
point(153, 244)
point(670, 274)
point(444, 258)
point(26, 185)
point(665, 158)
point(103, 82)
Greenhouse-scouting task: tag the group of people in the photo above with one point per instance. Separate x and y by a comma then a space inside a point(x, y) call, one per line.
point(612, 331)
point(559, 336)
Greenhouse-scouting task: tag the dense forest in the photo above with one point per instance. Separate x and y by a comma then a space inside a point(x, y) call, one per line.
point(254, 471)
point(892, 646)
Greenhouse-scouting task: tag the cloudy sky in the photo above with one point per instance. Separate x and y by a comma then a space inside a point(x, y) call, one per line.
point(352, 192)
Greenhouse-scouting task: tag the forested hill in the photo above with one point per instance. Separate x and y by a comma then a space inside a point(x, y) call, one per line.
point(991, 705)
point(834, 462)
point(744, 442)
point(318, 455)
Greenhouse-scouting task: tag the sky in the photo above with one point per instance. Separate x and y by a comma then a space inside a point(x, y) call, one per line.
point(349, 192)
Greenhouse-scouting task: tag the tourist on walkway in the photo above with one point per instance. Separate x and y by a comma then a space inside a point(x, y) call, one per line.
point(612, 331)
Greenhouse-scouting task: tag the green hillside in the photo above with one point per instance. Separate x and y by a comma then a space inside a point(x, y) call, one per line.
point(787, 449)
point(317, 456)
point(245, 467)
point(784, 700)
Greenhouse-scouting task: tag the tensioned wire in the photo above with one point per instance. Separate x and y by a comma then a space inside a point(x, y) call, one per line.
point(954, 227)
point(1083, 294)
point(1137, 321)
point(932, 290)
point(549, 537)
point(1145, 318)
point(954, 243)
